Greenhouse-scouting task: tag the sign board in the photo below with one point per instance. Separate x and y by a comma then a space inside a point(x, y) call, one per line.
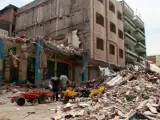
point(3, 33)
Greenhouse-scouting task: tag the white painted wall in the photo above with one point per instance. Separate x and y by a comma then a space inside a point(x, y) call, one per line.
point(3, 33)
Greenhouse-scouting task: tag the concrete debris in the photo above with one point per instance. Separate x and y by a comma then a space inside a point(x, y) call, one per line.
point(131, 92)
point(106, 71)
point(115, 80)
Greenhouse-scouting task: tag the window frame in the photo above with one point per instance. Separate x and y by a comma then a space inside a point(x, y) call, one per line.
point(112, 7)
point(120, 32)
point(99, 43)
point(99, 19)
point(114, 27)
point(121, 54)
point(112, 49)
point(119, 13)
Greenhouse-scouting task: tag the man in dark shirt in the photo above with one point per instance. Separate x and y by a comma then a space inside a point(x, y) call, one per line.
point(55, 84)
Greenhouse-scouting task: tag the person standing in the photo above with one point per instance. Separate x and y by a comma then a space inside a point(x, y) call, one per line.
point(55, 84)
point(64, 82)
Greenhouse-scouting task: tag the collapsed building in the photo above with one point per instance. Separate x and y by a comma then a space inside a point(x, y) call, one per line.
point(84, 24)
point(89, 25)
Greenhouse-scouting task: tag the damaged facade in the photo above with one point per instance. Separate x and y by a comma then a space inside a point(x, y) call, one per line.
point(84, 24)
point(7, 20)
point(7, 27)
point(95, 26)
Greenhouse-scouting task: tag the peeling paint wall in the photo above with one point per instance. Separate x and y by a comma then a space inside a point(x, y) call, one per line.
point(55, 18)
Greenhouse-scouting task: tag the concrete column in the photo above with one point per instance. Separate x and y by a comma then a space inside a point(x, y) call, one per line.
point(55, 66)
point(2, 60)
point(23, 64)
point(84, 64)
point(23, 70)
point(38, 72)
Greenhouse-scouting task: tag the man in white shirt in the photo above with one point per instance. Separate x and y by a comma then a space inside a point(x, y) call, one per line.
point(64, 81)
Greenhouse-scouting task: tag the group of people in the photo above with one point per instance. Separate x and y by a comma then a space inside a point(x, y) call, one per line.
point(59, 84)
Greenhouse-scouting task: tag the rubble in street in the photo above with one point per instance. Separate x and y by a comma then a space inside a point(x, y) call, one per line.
point(131, 91)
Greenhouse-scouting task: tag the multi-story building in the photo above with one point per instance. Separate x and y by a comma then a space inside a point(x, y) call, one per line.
point(7, 25)
point(7, 19)
point(134, 35)
point(99, 24)
point(155, 59)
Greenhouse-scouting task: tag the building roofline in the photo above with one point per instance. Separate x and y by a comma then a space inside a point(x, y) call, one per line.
point(8, 7)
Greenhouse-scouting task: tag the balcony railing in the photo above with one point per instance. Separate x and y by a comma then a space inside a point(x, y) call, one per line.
point(129, 21)
point(130, 37)
point(131, 56)
point(140, 44)
point(141, 48)
point(127, 10)
point(142, 58)
point(131, 53)
point(139, 34)
point(138, 21)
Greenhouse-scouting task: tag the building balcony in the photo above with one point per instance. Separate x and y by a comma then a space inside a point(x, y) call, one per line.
point(139, 34)
point(128, 22)
point(141, 58)
point(141, 48)
point(131, 53)
point(129, 37)
point(127, 10)
point(131, 56)
point(138, 22)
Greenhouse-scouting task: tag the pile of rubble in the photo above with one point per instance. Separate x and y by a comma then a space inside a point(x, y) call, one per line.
point(128, 94)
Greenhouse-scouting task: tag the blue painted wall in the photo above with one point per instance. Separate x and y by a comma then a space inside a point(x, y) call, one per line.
point(84, 63)
point(38, 73)
point(1, 58)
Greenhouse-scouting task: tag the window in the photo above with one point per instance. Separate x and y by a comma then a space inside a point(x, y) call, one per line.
point(112, 27)
point(119, 15)
point(112, 49)
point(101, 1)
point(120, 34)
point(100, 44)
point(120, 53)
point(111, 7)
point(99, 19)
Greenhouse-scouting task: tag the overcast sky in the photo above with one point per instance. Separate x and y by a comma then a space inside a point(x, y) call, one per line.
point(149, 11)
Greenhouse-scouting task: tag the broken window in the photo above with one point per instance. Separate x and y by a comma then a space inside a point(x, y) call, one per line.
point(100, 44)
point(119, 15)
point(99, 19)
point(112, 27)
point(111, 7)
point(112, 49)
point(120, 53)
point(101, 1)
point(120, 33)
